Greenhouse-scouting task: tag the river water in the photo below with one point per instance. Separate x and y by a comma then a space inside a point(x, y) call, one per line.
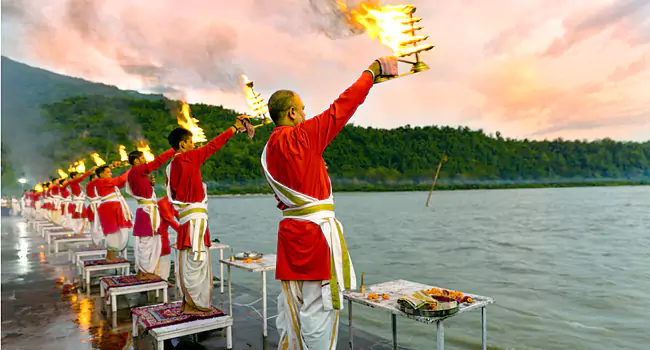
point(569, 268)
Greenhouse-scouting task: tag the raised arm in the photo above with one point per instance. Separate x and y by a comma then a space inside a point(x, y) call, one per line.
point(119, 181)
point(81, 178)
point(159, 161)
point(323, 128)
point(200, 154)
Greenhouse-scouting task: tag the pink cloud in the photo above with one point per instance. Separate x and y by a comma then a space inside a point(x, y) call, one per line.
point(486, 70)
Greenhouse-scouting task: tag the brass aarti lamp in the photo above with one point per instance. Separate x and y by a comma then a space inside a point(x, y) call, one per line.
point(258, 106)
point(412, 46)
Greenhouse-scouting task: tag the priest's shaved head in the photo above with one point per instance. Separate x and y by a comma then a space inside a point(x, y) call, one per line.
point(286, 108)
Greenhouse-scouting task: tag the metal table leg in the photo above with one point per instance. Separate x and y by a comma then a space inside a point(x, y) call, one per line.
point(229, 293)
point(440, 335)
point(221, 268)
point(394, 322)
point(351, 341)
point(263, 300)
point(484, 328)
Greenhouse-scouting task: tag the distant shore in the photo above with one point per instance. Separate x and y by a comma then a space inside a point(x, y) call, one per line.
point(262, 191)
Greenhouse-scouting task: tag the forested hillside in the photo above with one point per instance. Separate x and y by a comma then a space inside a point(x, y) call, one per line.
point(359, 159)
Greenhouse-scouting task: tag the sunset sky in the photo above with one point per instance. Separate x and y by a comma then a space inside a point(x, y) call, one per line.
point(576, 69)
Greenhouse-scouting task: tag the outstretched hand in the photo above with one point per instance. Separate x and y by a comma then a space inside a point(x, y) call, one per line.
point(243, 124)
point(384, 66)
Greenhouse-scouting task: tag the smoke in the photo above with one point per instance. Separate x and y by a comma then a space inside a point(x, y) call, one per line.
point(103, 40)
point(300, 18)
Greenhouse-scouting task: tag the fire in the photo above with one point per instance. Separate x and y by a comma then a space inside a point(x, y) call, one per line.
point(38, 188)
point(71, 168)
point(123, 156)
point(186, 121)
point(98, 161)
point(393, 25)
point(144, 148)
point(256, 103)
point(62, 174)
point(80, 166)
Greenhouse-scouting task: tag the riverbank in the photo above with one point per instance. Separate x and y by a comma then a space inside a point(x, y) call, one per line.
point(266, 191)
point(37, 313)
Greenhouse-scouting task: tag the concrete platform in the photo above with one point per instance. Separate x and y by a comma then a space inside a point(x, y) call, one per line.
point(38, 312)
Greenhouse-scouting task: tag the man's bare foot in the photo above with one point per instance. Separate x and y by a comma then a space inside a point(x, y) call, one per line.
point(111, 256)
point(189, 310)
point(146, 276)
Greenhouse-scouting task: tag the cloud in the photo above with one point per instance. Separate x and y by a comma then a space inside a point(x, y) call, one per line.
point(520, 67)
point(633, 69)
point(624, 18)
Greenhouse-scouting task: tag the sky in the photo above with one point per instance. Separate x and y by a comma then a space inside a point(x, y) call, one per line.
point(536, 69)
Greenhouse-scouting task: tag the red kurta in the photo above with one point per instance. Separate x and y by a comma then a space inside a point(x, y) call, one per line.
point(54, 191)
point(90, 193)
point(75, 188)
point(295, 159)
point(65, 194)
point(168, 215)
point(111, 216)
point(186, 182)
point(138, 180)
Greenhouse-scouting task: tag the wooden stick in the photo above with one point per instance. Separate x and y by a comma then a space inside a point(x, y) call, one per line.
point(435, 178)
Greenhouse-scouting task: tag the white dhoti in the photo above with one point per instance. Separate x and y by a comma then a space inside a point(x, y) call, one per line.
point(97, 234)
point(313, 323)
point(195, 264)
point(117, 241)
point(195, 280)
point(147, 253)
point(164, 267)
point(302, 320)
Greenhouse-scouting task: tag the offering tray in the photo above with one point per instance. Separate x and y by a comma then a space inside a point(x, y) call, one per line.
point(448, 306)
point(248, 255)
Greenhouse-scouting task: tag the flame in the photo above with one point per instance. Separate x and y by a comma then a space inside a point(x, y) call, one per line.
point(123, 156)
point(62, 174)
point(98, 161)
point(80, 166)
point(144, 148)
point(71, 168)
point(256, 103)
point(38, 188)
point(393, 25)
point(186, 121)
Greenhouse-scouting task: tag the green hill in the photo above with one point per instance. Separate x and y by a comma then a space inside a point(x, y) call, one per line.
point(24, 90)
point(55, 120)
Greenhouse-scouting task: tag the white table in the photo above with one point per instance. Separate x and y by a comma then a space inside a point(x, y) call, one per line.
point(267, 263)
point(397, 288)
point(214, 246)
point(114, 291)
point(49, 234)
point(36, 223)
point(86, 270)
point(75, 240)
point(49, 228)
point(75, 254)
point(160, 334)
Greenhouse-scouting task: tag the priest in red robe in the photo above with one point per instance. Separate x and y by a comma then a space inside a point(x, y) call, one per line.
point(114, 213)
point(92, 214)
point(313, 261)
point(168, 216)
point(147, 218)
point(188, 193)
point(76, 207)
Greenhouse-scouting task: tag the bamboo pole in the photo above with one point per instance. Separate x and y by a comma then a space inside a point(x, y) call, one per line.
point(435, 178)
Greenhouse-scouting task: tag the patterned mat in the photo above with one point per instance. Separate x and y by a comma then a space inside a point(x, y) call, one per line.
point(169, 314)
point(125, 281)
point(98, 262)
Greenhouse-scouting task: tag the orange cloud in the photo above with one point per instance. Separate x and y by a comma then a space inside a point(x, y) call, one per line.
point(526, 68)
